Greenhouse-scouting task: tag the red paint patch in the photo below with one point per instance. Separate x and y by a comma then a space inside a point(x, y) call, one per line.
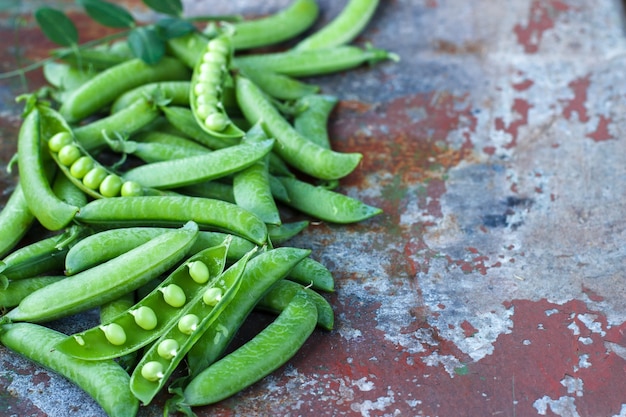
point(601, 133)
point(576, 105)
point(541, 19)
point(520, 109)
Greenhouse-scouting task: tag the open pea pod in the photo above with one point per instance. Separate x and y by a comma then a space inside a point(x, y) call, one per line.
point(161, 359)
point(147, 319)
point(209, 80)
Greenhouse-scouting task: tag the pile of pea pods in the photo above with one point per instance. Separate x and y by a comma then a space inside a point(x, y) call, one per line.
point(161, 188)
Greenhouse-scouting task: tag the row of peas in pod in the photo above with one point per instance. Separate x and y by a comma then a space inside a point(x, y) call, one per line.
point(162, 189)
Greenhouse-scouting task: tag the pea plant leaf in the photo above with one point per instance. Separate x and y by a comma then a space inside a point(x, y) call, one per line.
point(146, 44)
point(57, 26)
point(108, 14)
point(170, 7)
point(171, 27)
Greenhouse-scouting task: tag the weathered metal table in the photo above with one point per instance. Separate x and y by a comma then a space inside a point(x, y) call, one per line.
point(493, 284)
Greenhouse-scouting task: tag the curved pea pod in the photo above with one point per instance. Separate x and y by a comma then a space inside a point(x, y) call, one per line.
point(162, 358)
point(16, 291)
point(175, 92)
point(208, 82)
point(52, 212)
point(297, 151)
point(43, 256)
point(262, 271)
point(279, 296)
point(107, 85)
point(343, 28)
point(312, 273)
point(312, 121)
point(324, 204)
point(285, 231)
point(67, 191)
point(174, 210)
point(107, 281)
point(15, 220)
point(277, 85)
point(147, 319)
point(276, 344)
point(275, 28)
point(105, 381)
point(199, 168)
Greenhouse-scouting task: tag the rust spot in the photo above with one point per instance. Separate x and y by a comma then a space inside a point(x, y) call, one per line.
point(520, 108)
point(447, 47)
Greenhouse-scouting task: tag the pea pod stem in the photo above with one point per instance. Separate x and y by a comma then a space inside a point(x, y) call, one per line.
point(105, 381)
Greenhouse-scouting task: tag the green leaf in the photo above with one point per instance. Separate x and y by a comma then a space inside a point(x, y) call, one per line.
point(108, 14)
point(57, 26)
point(171, 27)
point(171, 7)
point(146, 44)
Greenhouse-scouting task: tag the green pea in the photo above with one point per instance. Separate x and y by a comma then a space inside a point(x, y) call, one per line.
point(198, 271)
point(216, 121)
point(81, 167)
point(68, 154)
point(131, 189)
point(59, 140)
point(168, 348)
point(174, 295)
point(152, 371)
point(111, 185)
point(114, 333)
point(188, 323)
point(145, 317)
point(214, 57)
point(219, 45)
point(212, 296)
point(94, 177)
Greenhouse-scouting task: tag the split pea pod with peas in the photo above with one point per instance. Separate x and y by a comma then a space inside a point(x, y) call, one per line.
point(144, 321)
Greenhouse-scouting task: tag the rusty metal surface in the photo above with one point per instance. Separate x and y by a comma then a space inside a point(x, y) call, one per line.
point(493, 284)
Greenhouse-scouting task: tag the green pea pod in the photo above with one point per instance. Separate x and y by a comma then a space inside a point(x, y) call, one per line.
point(279, 296)
point(16, 291)
point(52, 212)
point(182, 118)
point(251, 188)
point(324, 204)
point(209, 189)
point(67, 191)
point(208, 81)
point(105, 381)
point(107, 281)
point(263, 271)
point(94, 343)
point(199, 168)
point(174, 92)
point(275, 28)
point(306, 156)
point(313, 274)
point(314, 62)
point(343, 28)
point(312, 121)
point(127, 121)
point(275, 344)
point(282, 233)
point(174, 210)
point(156, 366)
point(15, 220)
point(107, 85)
point(278, 86)
point(41, 257)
